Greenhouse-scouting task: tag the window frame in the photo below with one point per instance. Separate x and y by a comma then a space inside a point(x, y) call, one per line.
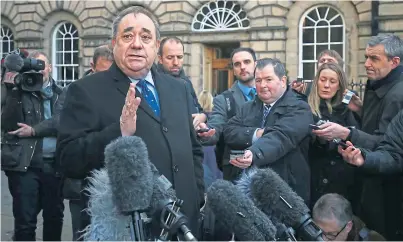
point(315, 44)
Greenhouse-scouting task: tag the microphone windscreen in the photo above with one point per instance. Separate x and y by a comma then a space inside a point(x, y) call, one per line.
point(237, 213)
point(107, 222)
point(274, 197)
point(13, 62)
point(127, 163)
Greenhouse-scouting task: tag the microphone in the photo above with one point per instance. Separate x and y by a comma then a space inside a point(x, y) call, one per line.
point(238, 214)
point(274, 197)
point(13, 62)
point(107, 222)
point(164, 206)
point(131, 179)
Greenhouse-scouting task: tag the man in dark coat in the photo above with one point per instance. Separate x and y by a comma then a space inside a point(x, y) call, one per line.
point(155, 108)
point(387, 158)
point(382, 195)
point(273, 129)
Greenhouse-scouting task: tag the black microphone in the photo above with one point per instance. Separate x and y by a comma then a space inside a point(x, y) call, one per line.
point(13, 62)
point(164, 206)
point(274, 197)
point(237, 213)
point(131, 179)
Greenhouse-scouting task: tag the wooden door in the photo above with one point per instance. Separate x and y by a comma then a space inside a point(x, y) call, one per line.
point(218, 73)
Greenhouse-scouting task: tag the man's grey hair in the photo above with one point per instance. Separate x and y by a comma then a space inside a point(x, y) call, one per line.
point(279, 68)
point(134, 10)
point(392, 43)
point(333, 206)
point(36, 53)
point(102, 51)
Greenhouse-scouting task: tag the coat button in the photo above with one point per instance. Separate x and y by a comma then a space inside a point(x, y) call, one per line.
point(332, 163)
point(325, 181)
point(165, 129)
point(32, 147)
point(175, 168)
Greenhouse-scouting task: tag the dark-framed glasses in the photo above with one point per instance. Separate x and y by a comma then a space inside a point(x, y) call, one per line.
point(333, 235)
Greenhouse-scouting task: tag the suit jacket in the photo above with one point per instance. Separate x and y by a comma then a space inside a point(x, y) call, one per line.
point(90, 121)
point(285, 141)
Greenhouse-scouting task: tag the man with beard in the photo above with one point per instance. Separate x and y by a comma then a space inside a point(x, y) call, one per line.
point(170, 61)
point(227, 104)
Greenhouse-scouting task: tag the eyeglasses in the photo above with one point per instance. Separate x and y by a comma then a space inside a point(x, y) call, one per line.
point(332, 235)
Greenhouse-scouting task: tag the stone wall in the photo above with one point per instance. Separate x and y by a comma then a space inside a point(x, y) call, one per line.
point(274, 28)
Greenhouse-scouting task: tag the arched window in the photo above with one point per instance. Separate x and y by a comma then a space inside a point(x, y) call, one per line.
point(321, 28)
point(220, 15)
point(7, 40)
point(65, 54)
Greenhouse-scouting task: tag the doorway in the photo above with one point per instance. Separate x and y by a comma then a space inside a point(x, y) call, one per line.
point(217, 67)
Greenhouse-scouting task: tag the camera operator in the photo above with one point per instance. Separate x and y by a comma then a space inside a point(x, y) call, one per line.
point(29, 130)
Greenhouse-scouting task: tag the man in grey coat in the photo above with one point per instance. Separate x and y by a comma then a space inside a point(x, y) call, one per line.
point(228, 103)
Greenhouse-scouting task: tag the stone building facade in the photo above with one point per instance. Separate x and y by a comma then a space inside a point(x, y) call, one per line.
point(292, 31)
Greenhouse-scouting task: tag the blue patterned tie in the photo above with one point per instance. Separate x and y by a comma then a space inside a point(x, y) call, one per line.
point(149, 96)
point(252, 93)
point(266, 111)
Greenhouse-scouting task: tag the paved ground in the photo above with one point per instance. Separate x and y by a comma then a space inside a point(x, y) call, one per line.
point(7, 219)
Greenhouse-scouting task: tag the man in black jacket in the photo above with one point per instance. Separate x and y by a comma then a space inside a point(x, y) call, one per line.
point(28, 157)
point(133, 98)
point(273, 129)
point(170, 61)
point(387, 158)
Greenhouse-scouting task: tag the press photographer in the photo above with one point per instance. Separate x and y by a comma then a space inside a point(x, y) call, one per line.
point(30, 107)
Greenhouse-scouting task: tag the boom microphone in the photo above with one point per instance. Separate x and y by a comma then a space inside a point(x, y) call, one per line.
point(238, 214)
point(131, 179)
point(274, 197)
point(13, 62)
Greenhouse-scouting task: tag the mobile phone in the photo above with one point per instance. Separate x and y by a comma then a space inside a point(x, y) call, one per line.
point(299, 79)
point(236, 154)
point(341, 143)
point(202, 130)
point(347, 97)
point(313, 126)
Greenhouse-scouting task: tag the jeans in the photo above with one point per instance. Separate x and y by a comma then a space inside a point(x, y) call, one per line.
point(33, 191)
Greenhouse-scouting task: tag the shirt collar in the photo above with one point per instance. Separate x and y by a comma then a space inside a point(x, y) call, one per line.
point(245, 89)
point(148, 78)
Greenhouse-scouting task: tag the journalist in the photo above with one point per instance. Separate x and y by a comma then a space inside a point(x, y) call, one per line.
point(334, 215)
point(28, 155)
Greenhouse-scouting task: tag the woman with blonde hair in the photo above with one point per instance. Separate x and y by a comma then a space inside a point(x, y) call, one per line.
point(211, 171)
point(329, 173)
point(206, 101)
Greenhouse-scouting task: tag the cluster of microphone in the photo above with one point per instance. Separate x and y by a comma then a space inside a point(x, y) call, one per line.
point(130, 200)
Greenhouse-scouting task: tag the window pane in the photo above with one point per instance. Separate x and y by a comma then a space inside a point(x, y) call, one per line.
point(67, 44)
point(309, 70)
point(322, 35)
point(59, 45)
point(59, 58)
point(322, 23)
point(336, 34)
point(320, 48)
point(331, 13)
point(338, 48)
point(308, 22)
point(313, 15)
point(308, 52)
point(308, 35)
point(322, 11)
point(75, 58)
point(337, 21)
